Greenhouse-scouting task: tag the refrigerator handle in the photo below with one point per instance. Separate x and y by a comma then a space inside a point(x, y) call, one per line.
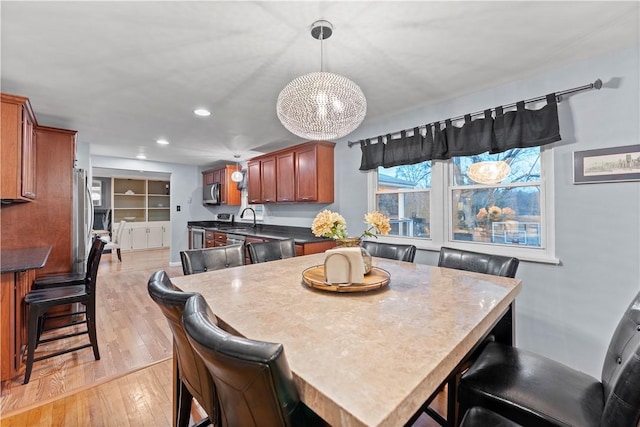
point(90, 212)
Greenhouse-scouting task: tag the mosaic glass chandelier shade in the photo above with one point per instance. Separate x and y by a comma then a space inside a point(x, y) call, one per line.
point(489, 172)
point(321, 105)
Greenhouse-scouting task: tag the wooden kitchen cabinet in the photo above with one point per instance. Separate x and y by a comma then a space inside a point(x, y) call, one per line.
point(254, 182)
point(18, 149)
point(229, 193)
point(303, 173)
point(209, 239)
point(262, 178)
point(219, 239)
point(285, 177)
point(13, 288)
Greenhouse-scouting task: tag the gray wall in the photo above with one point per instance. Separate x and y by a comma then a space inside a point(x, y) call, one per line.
point(567, 311)
point(185, 193)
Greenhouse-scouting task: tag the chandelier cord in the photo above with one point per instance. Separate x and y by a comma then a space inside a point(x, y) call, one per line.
point(322, 49)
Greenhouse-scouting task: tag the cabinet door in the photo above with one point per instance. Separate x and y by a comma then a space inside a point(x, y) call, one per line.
point(268, 175)
point(207, 177)
point(217, 174)
point(154, 236)
point(285, 172)
point(254, 182)
point(28, 156)
point(139, 238)
point(306, 175)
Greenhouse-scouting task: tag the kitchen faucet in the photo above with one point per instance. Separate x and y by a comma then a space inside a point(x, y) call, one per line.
point(254, 214)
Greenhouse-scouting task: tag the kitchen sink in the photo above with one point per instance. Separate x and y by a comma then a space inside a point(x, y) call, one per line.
point(240, 230)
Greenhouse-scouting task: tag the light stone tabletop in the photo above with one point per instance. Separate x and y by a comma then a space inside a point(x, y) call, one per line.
point(360, 359)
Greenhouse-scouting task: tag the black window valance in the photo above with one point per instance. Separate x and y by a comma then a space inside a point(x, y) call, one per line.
point(496, 132)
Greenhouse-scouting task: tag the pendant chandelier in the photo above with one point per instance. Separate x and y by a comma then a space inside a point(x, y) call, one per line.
point(489, 172)
point(237, 176)
point(321, 105)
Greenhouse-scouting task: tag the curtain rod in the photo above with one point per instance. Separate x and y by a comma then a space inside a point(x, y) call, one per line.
point(595, 85)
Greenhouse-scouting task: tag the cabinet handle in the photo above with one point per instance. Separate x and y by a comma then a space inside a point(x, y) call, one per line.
point(285, 199)
point(305, 198)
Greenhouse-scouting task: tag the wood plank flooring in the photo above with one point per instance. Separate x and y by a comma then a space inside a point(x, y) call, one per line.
point(132, 333)
point(131, 384)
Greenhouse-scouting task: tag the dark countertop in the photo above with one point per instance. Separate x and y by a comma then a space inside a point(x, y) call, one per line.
point(23, 259)
point(277, 232)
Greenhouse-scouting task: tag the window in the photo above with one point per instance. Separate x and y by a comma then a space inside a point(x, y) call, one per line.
point(403, 194)
point(437, 203)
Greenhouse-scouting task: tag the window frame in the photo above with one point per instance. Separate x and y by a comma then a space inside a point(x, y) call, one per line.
point(441, 215)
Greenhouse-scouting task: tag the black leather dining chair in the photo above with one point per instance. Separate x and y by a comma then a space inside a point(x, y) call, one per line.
point(208, 259)
point(482, 417)
point(192, 376)
point(496, 265)
point(253, 380)
point(40, 301)
point(479, 263)
point(271, 251)
point(390, 250)
point(536, 391)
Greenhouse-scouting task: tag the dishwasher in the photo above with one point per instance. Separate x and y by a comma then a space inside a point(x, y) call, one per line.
point(197, 238)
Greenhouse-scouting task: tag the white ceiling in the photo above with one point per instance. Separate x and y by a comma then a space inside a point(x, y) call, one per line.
point(127, 73)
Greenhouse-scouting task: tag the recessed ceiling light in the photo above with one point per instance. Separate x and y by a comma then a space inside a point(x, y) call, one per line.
point(141, 156)
point(202, 112)
point(162, 142)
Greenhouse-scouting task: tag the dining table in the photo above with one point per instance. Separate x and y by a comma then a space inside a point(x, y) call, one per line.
point(369, 358)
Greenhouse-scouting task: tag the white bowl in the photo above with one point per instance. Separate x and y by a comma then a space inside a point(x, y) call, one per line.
point(129, 218)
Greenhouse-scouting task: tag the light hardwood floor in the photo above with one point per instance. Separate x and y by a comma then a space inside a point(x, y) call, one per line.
point(131, 383)
point(132, 333)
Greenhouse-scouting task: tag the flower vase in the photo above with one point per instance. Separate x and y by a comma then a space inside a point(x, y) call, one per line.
point(352, 242)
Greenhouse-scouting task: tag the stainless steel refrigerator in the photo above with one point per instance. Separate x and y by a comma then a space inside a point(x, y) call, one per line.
point(82, 220)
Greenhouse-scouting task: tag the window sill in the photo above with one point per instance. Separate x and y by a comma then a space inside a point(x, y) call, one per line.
point(523, 254)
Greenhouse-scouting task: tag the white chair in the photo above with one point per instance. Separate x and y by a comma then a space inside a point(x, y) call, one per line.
point(115, 241)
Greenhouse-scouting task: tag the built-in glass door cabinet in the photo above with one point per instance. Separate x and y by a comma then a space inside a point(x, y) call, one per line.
point(145, 205)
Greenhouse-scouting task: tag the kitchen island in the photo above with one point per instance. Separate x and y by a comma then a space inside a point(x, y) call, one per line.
point(18, 272)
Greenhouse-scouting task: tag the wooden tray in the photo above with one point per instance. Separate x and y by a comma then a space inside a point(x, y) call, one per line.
point(314, 278)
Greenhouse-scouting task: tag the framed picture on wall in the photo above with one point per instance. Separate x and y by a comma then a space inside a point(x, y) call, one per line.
point(607, 165)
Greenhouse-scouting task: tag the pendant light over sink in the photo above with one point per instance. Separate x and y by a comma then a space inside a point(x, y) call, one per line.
point(321, 105)
point(237, 176)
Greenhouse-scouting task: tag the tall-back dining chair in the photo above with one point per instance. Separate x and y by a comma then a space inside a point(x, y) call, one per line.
point(68, 279)
point(208, 259)
point(116, 239)
point(193, 379)
point(271, 251)
point(496, 265)
point(479, 263)
point(390, 250)
point(253, 380)
point(40, 301)
point(533, 390)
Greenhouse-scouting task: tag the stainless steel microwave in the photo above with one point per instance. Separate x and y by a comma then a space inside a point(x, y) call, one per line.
point(211, 194)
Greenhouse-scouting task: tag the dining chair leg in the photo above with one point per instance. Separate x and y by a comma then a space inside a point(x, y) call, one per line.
point(119, 256)
point(91, 327)
point(32, 340)
point(184, 405)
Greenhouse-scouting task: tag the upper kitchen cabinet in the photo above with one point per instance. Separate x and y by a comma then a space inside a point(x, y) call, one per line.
point(229, 193)
point(303, 173)
point(18, 149)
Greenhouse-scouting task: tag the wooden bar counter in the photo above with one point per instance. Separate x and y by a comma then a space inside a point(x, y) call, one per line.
point(361, 359)
point(17, 268)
